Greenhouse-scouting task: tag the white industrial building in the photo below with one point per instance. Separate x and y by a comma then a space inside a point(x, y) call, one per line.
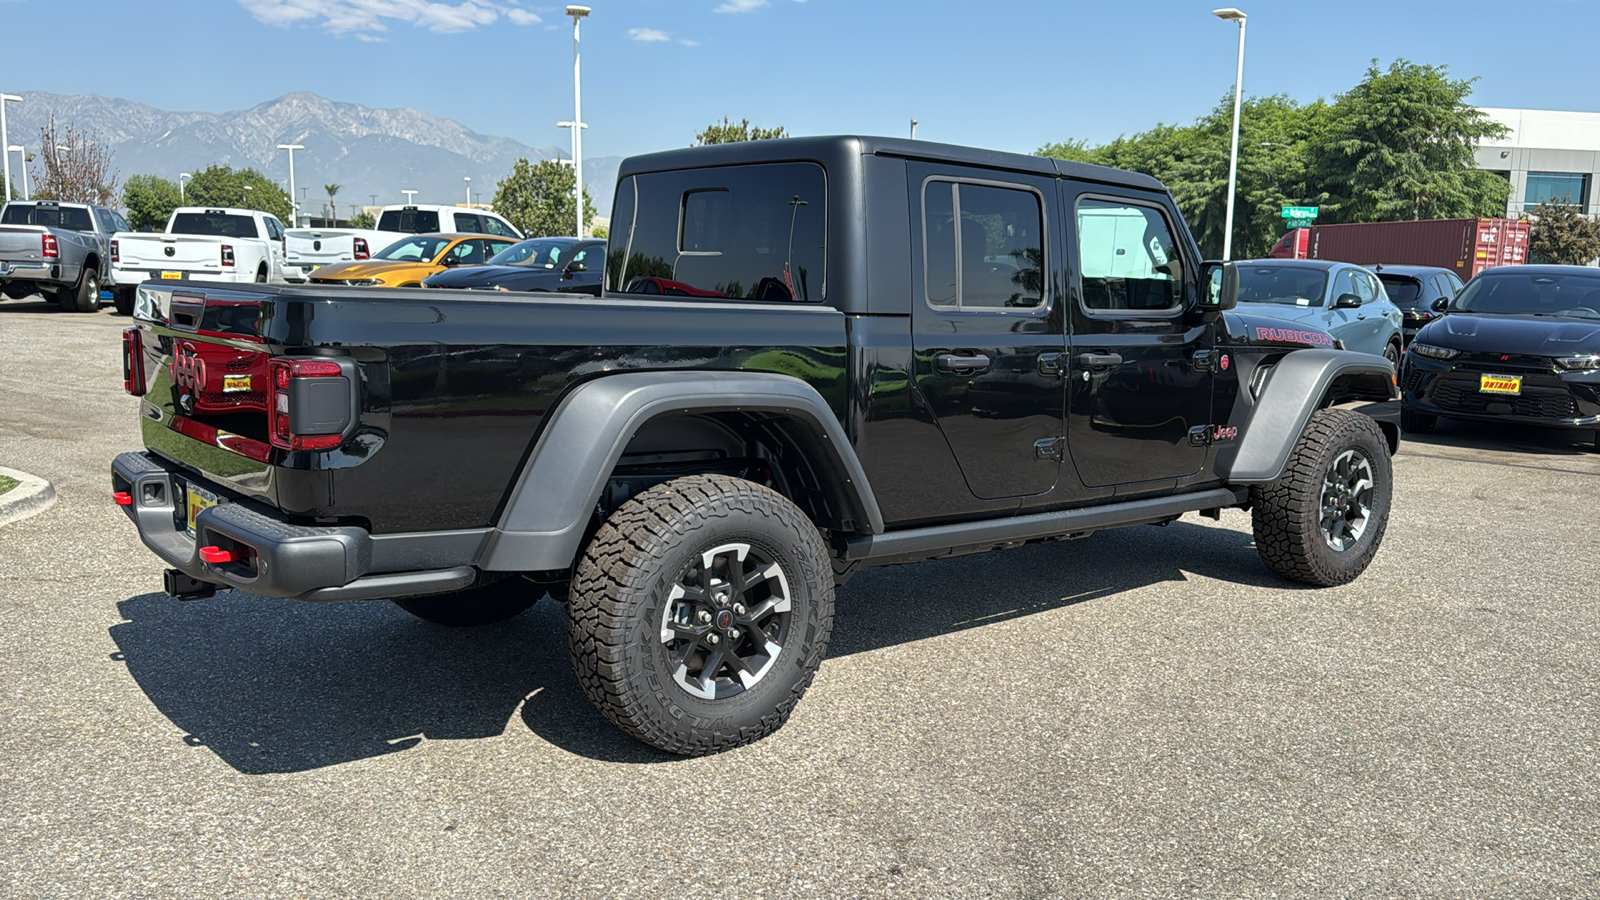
point(1547, 154)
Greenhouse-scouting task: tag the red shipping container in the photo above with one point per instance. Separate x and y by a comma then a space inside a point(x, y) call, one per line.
point(1465, 246)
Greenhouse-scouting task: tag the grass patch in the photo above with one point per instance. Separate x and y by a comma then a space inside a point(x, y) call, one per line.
point(7, 484)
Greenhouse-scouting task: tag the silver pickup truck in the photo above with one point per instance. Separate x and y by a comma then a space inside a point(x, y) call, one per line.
point(62, 251)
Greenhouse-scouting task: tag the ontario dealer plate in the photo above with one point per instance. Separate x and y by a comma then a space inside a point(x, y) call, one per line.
point(1500, 384)
point(172, 276)
point(198, 500)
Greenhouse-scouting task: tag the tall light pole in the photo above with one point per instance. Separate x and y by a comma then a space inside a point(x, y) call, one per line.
point(468, 180)
point(23, 155)
point(247, 189)
point(578, 13)
point(182, 197)
point(409, 195)
point(913, 129)
point(5, 141)
point(294, 205)
point(1233, 15)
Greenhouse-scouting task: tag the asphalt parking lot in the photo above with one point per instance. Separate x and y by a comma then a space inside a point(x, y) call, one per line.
point(1142, 713)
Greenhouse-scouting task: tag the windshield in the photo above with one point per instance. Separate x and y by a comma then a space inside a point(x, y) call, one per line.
point(70, 218)
point(1403, 290)
point(214, 224)
point(1538, 294)
point(1292, 285)
point(409, 221)
point(414, 249)
point(539, 254)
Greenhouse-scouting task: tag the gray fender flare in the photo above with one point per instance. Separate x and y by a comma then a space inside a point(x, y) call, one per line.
point(550, 506)
point(1293, 390)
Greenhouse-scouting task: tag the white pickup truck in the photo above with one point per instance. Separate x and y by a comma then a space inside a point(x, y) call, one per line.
point(203, 244)
point(310, 248)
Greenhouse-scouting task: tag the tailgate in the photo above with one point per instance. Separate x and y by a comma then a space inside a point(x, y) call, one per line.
point(320, 248)
point(20, 243)
point(175, 252)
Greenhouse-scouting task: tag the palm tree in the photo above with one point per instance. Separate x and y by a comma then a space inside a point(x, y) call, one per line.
point(332, 189)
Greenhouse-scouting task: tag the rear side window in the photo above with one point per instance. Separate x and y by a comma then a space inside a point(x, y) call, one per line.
point(69, 218)
point(409, 221)
point(214, 224)
point(1129, 260)
point(749, 232)
point(984, 246)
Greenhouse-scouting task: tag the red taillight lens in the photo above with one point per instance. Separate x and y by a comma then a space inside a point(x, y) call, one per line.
point(360, 247)
point(116, 255)
point(48, 246)
point(281, 375)
point(227, 254)
point(133, 361)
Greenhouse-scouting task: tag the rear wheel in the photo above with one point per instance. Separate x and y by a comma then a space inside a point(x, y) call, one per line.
point(122, 299)
point(700, 613)
point(1322, 522)
point(475, 606)
point(1417, 423)
point(261, 275)
point(86, 297)
point(1391, 352)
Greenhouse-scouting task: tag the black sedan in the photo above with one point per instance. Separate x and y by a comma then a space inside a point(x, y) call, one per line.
point(556, 264)
point(1415, 289)
point(1517, 344)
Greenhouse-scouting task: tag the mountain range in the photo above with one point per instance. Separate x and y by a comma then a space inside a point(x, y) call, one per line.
point(374, 154)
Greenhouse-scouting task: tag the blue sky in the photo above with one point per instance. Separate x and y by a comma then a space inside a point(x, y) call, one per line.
point(1011, 76)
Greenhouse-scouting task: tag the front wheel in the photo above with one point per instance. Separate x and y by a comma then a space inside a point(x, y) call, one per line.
point(700, 612)
point(1391, 352)
point(1321, 523)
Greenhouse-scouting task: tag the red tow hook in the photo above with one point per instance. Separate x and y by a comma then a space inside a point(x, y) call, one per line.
point(216, 555)
point(122, 498)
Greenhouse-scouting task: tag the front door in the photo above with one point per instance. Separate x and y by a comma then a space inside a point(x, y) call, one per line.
point(987, 323)
point(1139, 375)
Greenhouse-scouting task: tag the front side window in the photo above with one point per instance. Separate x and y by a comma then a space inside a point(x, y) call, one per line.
point(754, 232)
point(412, 249)
point(983, 246)
point(468, 253)
point(1365, 289)
point(495, 226)
point(1128, 258)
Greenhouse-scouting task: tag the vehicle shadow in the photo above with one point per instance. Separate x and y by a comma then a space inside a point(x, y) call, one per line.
point(1455, 434)
point(274, 686)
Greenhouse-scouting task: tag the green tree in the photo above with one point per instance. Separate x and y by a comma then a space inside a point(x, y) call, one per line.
point(333, 211)
point(730, 133)
point(1562, 235)
point(363, 219)
point(218, 185)
point(537, 198)
point(149, 200)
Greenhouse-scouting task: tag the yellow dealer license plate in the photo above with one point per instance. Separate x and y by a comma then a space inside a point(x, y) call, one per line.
point(172, 276)
point(232, 383)
point(198, 500)
point(1500, 384)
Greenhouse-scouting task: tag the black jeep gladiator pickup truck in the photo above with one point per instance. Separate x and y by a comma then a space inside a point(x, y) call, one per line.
point(811, 355)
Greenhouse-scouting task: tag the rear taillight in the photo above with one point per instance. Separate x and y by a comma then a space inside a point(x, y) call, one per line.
point(133, 361)
point(48, 245)
point(227, 255)
point(310, 403)
point(116, 255)
point(360, 247)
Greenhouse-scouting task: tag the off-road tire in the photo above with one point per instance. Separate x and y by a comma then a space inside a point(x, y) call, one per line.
point(1287, 514)
point(122, 300)
point(484, 605)
point(86, 296)
point(1417, 423)
point(621, 595)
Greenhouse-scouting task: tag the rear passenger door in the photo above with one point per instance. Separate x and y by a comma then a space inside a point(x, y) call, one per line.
point(986, 323)
point(1139, 370)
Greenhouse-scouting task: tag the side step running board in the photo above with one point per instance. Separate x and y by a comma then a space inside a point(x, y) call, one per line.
point(935, 539)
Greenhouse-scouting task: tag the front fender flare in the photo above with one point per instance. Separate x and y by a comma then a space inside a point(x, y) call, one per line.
point(549, 509)
point(1295, 388)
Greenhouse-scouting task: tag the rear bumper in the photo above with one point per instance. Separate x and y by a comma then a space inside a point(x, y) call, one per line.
point(121, 275)
point(280, 559)
point(38, 272)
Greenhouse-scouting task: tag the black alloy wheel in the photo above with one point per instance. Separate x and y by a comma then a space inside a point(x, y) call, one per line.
point(725, 621)
point(1391, 352)
point(1347, 492)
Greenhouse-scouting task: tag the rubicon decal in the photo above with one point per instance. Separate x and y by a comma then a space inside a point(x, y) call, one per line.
point(1292, 336)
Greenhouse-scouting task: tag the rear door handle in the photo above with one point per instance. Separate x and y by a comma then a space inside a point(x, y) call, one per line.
point(961, 362)
point(1099, 360)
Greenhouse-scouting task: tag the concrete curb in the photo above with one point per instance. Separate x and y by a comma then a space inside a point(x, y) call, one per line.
point(34, 495)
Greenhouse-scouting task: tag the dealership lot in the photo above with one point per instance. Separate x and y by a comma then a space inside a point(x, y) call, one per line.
point(1144, 712)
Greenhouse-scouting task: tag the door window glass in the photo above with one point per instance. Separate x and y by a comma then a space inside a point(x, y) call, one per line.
point(1344, 283)
point(1129, 260)
point(495, 226)
point(1365, 289)
point(984, 246)
point(468, 222)
point(468, 253)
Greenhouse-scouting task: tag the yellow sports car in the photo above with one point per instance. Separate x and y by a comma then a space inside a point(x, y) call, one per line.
point(407, 261)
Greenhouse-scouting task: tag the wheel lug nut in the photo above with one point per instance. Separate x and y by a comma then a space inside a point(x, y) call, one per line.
point(713, 639)
point(704, 617)
point(733, 634)
point(738, 609)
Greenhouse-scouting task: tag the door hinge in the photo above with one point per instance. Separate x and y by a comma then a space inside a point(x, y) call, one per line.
point(1050, 365)
point(1200, 436)
point(1049, 448)
point(1204, 360)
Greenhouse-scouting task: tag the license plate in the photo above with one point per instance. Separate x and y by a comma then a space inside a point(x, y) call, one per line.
point(232, 383)
point(172, 276)
point(1500, 384)
point(199, 499)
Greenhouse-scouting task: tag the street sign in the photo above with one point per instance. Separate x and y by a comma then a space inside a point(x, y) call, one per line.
point(1299, 212)
point(1298, 222)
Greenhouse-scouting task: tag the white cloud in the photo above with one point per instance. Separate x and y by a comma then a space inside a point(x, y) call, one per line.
point(363, 18)
point(689, 43)
point(741, 6)
point(648, 34)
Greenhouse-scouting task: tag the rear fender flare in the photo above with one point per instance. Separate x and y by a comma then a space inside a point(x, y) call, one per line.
point(550, 506)
point(1303, 382)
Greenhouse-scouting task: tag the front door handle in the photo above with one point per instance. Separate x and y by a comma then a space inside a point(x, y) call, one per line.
point(1099, 360)
point(961, 362)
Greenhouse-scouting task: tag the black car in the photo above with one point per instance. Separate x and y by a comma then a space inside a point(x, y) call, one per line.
point(1519, 344)
point(555, 264)
point(1415, 289)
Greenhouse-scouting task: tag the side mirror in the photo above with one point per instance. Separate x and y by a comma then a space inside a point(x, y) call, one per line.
point(450, 262)
point(1219, 287)
point(574, 267)
point(1441, 305)
point(1347, 301)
